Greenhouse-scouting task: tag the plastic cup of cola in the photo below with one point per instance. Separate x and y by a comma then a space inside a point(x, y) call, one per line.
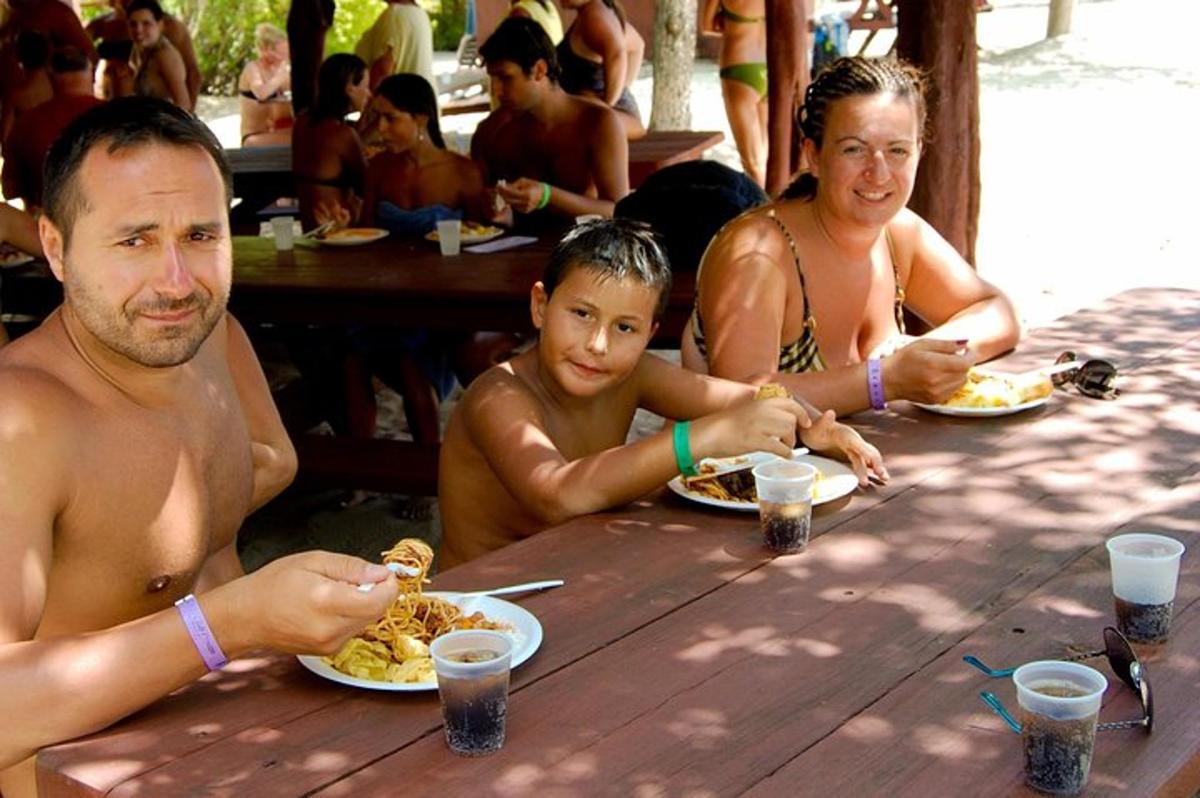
point(1145, 570)
point(449, 236)
point(784, 490)
point(281, 226)
point(472, 669)
point(1060, 703)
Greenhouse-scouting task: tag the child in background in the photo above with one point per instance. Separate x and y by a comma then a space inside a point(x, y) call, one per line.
point(541, 439)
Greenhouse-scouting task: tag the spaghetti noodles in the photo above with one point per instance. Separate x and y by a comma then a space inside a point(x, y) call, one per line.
point(396, 647)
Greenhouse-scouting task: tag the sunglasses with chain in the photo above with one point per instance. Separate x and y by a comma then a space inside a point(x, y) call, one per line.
point(1125, 665)
point(1094, 378)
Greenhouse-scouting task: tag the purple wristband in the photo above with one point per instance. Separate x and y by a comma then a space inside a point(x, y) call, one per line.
point(875, 384)
point(202, 636)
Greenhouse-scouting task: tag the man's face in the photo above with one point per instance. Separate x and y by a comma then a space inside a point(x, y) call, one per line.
point(592, 331)
point(148, 268)
point(144, 29)
point(512, 88)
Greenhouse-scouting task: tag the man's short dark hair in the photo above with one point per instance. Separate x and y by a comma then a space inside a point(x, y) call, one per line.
point(120, 124)
point(523, 42)
point(616, 249)
point(69, 59)
point(144, 5)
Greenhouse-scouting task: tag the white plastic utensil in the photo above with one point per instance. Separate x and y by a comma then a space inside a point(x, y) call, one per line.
point(395, 568)
point(524, 587)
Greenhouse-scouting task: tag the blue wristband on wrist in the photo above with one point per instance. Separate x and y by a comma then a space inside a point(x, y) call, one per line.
point(875, 384)
point(683, 448)
point(197, 627)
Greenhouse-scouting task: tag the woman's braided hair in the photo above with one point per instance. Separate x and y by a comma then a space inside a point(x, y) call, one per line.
point(852, 76)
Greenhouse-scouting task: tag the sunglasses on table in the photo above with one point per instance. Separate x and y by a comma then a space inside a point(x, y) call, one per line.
point(1094, 378)
point(1124, 663)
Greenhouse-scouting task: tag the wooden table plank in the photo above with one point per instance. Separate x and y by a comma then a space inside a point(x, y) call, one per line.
point(931, 735)
point(680, 658)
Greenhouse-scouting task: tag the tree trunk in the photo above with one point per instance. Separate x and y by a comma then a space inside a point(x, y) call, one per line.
point(787, 70)
point(939, 37)
point(1059, 23)
point(674, 55)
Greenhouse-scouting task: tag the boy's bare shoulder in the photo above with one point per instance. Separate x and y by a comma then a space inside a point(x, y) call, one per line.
point(498, 401)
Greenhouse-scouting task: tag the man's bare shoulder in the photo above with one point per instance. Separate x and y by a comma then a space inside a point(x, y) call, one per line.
point(597, 118)
point(34, 400)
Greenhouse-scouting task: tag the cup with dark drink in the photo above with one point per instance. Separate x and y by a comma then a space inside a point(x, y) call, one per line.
point(472, 669)
point(1060, 703)
point(785, 490)
point(1145, 570)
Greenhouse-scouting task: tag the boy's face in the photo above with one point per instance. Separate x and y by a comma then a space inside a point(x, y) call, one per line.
point(593, 330)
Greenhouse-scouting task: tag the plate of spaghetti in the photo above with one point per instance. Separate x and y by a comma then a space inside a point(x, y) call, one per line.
point(733, 488)
point(393, 653)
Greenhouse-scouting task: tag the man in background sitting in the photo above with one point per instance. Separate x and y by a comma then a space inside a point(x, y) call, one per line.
point(552, 151)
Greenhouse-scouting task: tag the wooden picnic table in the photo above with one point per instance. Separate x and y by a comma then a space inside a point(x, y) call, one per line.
point(260, 174)
point(681, 659)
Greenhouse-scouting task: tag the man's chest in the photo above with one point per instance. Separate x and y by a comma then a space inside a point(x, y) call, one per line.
point(151, 503)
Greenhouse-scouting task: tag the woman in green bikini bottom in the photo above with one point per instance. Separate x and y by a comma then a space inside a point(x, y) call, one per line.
point(743, 29)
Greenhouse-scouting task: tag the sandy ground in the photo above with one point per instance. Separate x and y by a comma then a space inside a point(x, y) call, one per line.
point(1087, 165)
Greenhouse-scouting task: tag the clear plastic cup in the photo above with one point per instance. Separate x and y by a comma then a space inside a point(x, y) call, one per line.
point(472, 669)
point(1145, 571)
point(785, 490)
point(281, 227)
point(449, 236)
point(1060, 702)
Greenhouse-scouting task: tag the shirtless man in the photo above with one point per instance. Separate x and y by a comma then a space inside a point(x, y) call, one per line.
point(158, 68)
point(113, 29)
point(552, 149)
point(137, 434)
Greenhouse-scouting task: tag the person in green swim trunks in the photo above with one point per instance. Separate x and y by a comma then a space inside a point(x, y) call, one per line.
point(743, 60)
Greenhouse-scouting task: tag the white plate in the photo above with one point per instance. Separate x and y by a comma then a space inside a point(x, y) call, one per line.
point(470, 238)
point(14, 258)
point(837, 480)
point(977, 412)
point(526, 634)
point(363, 235)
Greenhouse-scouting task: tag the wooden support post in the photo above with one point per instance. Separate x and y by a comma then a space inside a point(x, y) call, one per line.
point(787, 70)
point(1059, 23)
point(939, 37)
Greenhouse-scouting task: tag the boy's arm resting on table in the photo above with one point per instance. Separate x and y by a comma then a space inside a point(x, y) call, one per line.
point(272, 451)
point(505, 425)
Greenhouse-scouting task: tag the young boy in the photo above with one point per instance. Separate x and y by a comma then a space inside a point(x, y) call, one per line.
point(541, 439)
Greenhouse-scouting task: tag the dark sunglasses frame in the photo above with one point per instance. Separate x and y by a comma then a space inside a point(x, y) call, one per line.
point(1094, 378)
point(1125, 665)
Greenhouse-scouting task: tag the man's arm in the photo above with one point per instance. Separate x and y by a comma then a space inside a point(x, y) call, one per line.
point(178, 35)
point(272, 450)
point(174, 75)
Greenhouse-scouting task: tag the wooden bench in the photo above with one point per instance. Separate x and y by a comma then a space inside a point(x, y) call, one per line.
point(871, 16)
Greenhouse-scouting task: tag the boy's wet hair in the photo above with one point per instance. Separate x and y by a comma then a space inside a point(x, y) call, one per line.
point(120, 124)
point(616, 249)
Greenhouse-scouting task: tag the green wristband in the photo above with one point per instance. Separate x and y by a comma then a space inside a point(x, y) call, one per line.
point(545, 200)
point(683, 449)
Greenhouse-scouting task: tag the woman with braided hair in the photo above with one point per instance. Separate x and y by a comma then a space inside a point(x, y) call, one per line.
point(809, 291)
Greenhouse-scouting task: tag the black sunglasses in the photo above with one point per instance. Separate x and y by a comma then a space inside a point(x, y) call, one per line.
point(1125, 665)
point(1094, 378)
